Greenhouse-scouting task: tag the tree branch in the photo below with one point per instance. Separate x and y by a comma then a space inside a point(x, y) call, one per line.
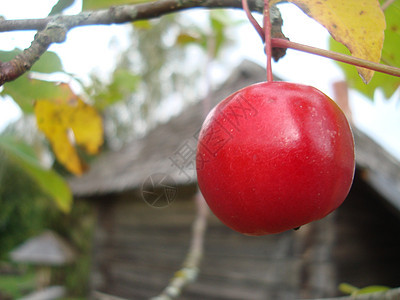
point(282, 43)
point(125, 13)
point(54, 29)
point(53, 33)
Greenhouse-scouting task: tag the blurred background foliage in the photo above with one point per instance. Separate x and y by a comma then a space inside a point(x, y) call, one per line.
point(164, 69)
point(22, 212)
point(390, 56)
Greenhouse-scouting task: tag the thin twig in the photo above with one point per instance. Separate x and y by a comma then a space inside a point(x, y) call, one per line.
point(190, 269)
point(268, 46)
point(129, 13)
point(385, 5)
point(252, 20)
point(282, 43)
point(53, 33)
point(125, 13)
point(114, 15)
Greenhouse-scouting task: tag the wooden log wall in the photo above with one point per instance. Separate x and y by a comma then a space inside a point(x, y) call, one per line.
point(138, 249)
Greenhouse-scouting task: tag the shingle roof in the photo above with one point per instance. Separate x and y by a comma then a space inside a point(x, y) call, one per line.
point(129, 167)
point(159, 152)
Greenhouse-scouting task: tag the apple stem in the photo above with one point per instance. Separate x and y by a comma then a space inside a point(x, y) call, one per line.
point(282, 43)
point(268, 43)
point(265, 35)
point(252, 20)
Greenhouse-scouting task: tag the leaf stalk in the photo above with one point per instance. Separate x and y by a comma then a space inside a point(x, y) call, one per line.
point(359, 62)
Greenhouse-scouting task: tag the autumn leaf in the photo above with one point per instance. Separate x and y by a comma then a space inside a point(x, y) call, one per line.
point(359, 25)
point(68, 121)
point(87, 127)
point(388, 84)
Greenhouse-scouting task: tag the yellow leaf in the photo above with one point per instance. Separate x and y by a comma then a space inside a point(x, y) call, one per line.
point(67, 122)
point(357, 24)
point(87, 126)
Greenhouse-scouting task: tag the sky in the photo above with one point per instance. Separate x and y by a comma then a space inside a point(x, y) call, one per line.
point(380, 119)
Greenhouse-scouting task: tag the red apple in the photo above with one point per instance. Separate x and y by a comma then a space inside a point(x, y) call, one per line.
point(274, 156)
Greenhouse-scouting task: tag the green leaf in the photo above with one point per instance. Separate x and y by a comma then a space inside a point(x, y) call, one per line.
point(218, 25)
point(387, 83)
point(49, 62)
point(143, 25)
point(26, 91)
point(390, 51)
point(98, 4)
point(123, 84)
point(186, 38)
point(9, 55)
point(372, 289)
point(354, 291)
point(60, 6)
point(346, 288)
point(47, 179)
point(220, 21)
point(390, 56)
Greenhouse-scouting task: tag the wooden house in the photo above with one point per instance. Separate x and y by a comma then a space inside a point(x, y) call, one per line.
point(143, 198)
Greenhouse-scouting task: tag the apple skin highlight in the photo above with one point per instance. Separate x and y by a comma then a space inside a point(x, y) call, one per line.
point(275, 156)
